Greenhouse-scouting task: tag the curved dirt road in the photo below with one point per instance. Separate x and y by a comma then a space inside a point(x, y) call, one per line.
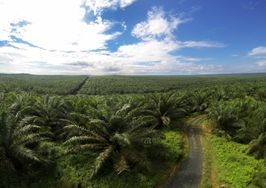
point(188, 175)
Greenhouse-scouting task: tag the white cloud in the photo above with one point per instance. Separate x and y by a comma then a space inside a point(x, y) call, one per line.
point(147, 51)
point(157, 25)
point(97, 6)
point(258, 51)
point(160, 27)
point(261, 63)
point(201, 44)
point(129, 59)
point(69, 45)
point(155, 57)
point(53, 25)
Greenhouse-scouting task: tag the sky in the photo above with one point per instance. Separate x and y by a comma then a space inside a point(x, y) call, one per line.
point(132, 37)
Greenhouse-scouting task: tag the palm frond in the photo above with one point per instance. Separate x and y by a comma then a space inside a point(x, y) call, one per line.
point(101, 160)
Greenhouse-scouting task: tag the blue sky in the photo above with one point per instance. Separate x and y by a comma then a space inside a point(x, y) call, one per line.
point(132, 36)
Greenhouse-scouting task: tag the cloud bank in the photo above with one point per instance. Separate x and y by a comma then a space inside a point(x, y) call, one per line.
point(58, 37)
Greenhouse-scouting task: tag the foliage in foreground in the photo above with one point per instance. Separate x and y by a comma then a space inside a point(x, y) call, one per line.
point(118, 138)
point(236, 169)
point(75, 169)
point(244, 121)
point(108, 137)
point(18, 143)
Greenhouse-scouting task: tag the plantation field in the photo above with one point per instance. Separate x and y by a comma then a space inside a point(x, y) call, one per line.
point(104, 85)
point(57, 132)
point(40, 84)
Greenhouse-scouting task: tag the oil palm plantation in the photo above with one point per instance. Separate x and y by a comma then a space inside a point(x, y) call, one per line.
point(162, 109)
point(117, 137)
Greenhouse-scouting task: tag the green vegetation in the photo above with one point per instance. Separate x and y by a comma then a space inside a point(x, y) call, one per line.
point(85, 141)
point(40, 84)
point(75, 169)
point(130, 140)
point(242, 120)
point(235, 168)
point(116, 137)
point(104, 85)
point(209, 178)
point(173, 143)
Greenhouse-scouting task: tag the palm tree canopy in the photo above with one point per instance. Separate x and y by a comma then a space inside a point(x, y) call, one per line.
point(112, 136)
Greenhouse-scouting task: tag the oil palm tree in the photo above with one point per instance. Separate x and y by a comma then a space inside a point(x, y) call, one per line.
point(261, 94)
point(226, 115)
point(118, 139)
point(200, 101)
point(257, 147)
point(255, 132)
point(254, 123)
point(17, 142)
point(48, 112)
point(162, 109)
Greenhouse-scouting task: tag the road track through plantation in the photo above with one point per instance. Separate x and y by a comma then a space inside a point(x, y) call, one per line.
point(188, 175)
point(79, 87)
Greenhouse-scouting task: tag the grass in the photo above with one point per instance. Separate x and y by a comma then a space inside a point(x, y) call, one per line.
point(208, 173)
point(236, 169)
point(226, 163)
point(173, 143)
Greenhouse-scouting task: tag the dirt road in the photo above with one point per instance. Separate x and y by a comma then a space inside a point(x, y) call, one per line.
point(188, 175)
